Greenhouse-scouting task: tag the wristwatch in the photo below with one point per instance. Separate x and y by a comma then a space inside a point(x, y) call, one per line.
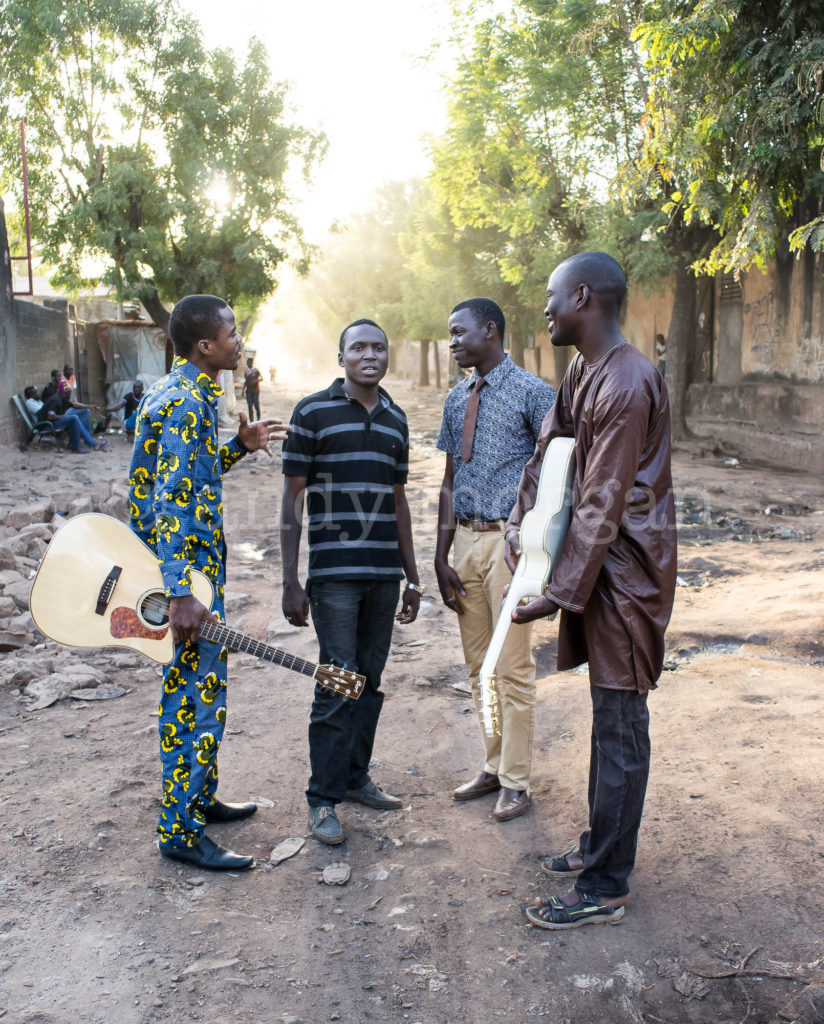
point(419, 588)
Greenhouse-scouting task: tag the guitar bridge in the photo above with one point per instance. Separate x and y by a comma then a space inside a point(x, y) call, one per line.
point(107, 590)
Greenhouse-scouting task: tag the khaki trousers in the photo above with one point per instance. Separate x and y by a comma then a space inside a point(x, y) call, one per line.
point(478, 559)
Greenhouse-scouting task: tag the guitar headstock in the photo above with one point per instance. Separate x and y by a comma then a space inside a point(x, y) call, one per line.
point(340, 680)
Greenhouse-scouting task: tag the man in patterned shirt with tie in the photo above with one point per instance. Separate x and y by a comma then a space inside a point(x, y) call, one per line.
point(175, 490)
point(491, 421)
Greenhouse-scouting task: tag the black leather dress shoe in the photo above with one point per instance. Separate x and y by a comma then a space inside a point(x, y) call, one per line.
point(482, 784)
point(217, 813)
point(208, 855)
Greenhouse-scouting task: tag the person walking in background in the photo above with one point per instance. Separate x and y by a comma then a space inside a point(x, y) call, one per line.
point(251, 388)
point(491, 421)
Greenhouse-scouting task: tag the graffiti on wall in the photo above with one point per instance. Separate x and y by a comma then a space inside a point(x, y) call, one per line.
point(766, 328)
point(812, 359)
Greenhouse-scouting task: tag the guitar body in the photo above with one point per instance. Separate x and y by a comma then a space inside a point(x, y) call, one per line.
point(99, 585)
point(65, 593)
point(541, 536)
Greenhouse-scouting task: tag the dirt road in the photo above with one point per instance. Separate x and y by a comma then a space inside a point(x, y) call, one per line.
point(724, 924)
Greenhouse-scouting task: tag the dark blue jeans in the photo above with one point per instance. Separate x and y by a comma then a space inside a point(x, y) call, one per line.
point(353, 620)
point(618, 773)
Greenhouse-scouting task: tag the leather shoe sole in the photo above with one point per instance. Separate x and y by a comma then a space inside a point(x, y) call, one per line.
point(219, 813)
point(481, 785)
point(512, 803)
point(207, 855)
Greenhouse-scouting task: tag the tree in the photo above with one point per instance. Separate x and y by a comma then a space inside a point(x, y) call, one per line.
point(735, 123)
point(546, 103)
point(155, 166)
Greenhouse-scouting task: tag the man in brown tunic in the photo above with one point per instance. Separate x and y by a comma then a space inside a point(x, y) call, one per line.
point(614, 580)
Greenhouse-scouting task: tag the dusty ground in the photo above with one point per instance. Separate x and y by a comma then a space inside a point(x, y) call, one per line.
point(725, 919)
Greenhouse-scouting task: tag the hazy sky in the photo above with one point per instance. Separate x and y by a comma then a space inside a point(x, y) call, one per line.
point(357, 73)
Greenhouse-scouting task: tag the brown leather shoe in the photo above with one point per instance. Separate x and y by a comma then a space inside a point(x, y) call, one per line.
point(511, 804)
point(482, 784)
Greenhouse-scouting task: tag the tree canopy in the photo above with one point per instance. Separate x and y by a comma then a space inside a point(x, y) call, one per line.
point(155, 165)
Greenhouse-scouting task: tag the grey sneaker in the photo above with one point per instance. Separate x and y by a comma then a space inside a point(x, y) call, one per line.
point(324, 825)
point(372, 796)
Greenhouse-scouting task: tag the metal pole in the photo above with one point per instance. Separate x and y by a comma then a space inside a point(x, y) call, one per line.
point(26, 202)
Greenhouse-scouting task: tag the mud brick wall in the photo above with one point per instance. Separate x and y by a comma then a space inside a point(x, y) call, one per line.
point(42, 343)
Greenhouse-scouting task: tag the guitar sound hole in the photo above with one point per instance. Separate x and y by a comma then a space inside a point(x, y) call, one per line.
point(154, 609)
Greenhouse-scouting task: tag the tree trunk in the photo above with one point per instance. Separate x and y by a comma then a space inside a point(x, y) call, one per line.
point(437, 358)
point(157, 311)
point(679, 349)
point(424, 368)
point(516, 348)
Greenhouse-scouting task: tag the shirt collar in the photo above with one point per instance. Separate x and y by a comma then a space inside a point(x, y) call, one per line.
point(337, 390)
point(497, 375)
point(210, 388)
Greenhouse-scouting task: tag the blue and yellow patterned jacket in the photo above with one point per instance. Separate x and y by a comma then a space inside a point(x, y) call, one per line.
point(176, 476)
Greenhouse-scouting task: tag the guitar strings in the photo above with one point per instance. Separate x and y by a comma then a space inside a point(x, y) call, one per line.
point(160, 604)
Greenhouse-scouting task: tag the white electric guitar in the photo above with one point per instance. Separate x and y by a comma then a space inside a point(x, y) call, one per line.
point(541, 536)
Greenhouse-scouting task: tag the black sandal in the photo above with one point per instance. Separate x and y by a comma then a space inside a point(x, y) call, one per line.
point(588, 910)
point(558, 867)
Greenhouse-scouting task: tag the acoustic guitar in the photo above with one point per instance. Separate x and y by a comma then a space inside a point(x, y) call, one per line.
point(98, 585)
point(541, 537)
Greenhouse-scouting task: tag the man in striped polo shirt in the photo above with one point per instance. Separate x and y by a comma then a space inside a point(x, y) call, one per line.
point(348, 450)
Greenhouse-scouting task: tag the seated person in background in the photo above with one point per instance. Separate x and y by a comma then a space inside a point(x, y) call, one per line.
point(51, 388)
point(66, 388)
point(33, 401)
point(58, 412)
point(129, 403)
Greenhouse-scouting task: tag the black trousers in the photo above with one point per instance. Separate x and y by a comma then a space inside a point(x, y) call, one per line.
point(354, 621)
point(618, 773)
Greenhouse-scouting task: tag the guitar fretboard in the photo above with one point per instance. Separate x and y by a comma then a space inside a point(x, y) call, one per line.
point(237, 641)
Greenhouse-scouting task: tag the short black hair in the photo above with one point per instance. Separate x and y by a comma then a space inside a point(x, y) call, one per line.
point(29, 391)
point(358, 323)
point(485, 311)
point(194, 318)
point(603, 274)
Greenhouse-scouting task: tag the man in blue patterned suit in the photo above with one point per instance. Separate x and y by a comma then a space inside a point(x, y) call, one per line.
point(491, 421)
point(175, 482)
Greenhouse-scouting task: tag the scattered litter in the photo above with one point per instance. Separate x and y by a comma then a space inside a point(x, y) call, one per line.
point(336, 874)
point(209, 965)
point(731, 462)
point(428, 977)
point(381, 875)
point(105, 692)
point(288, 848)
point(262, 801)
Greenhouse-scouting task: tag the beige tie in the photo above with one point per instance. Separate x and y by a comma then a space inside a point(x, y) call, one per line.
point(470, 419)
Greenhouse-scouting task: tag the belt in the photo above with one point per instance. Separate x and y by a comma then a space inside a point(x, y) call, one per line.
point(481, 525)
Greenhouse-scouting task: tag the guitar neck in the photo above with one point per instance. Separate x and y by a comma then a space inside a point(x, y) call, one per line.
point(217, 633)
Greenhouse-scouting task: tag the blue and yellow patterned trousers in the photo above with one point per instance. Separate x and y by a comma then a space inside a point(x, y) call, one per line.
point(192, 719)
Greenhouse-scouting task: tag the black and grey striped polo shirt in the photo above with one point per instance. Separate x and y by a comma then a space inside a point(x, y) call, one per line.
point(352, 460)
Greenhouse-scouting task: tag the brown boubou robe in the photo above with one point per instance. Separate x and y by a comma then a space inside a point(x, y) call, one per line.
point(615, 576)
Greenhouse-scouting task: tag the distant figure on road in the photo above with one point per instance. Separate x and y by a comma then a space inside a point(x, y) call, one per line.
point(251, 388)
